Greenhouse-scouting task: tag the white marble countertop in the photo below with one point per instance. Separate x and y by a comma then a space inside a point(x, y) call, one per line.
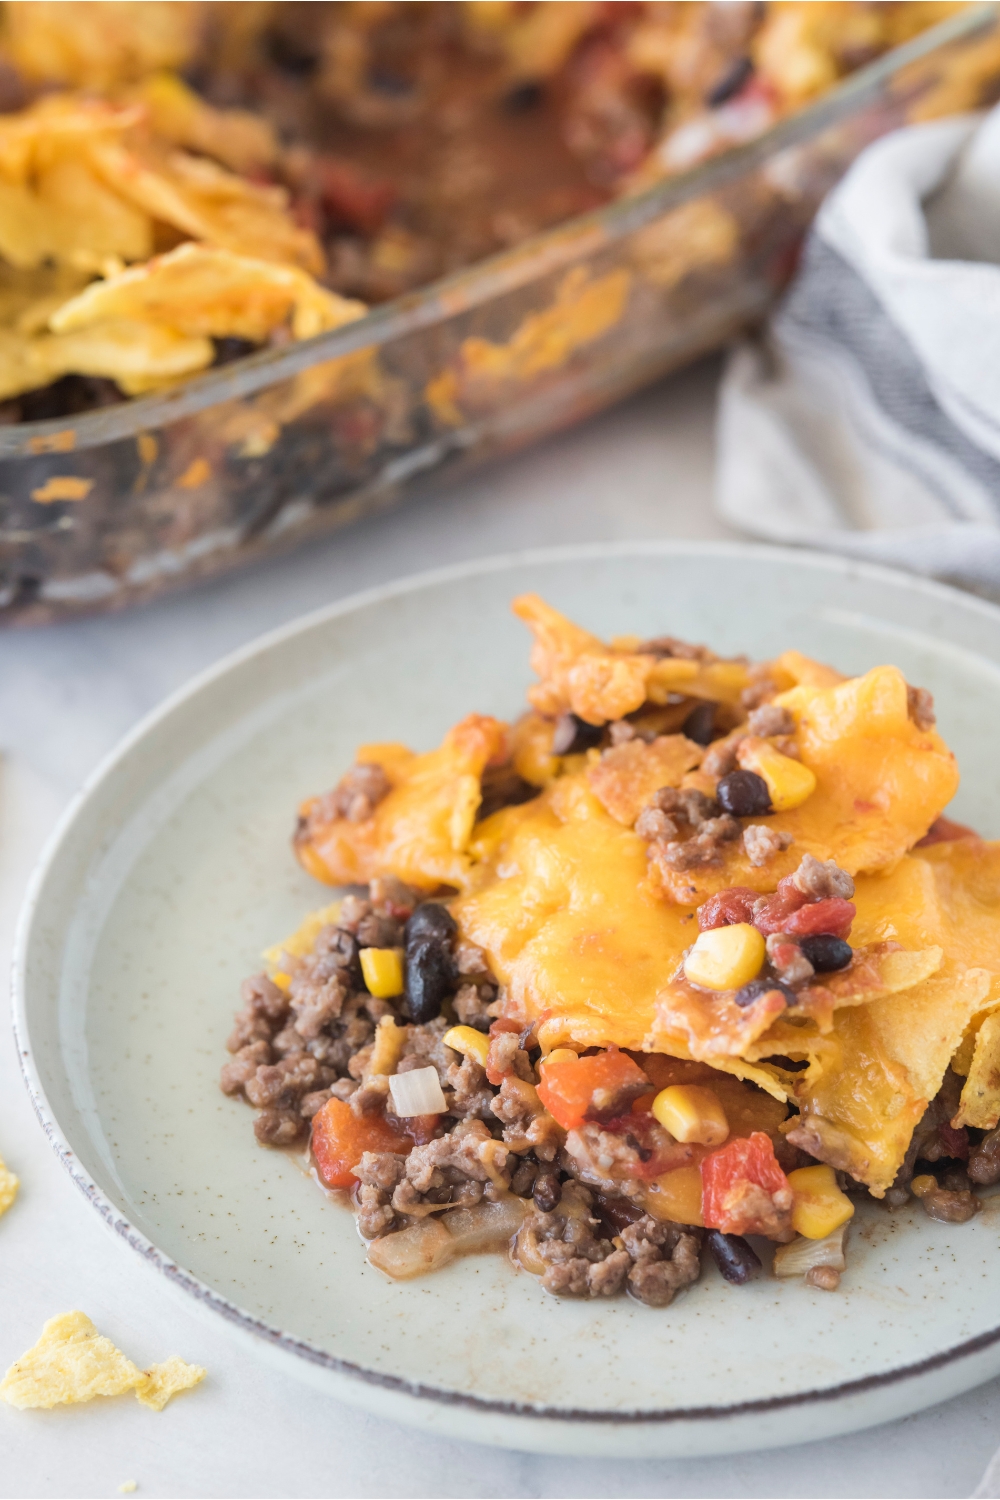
point(67, 693)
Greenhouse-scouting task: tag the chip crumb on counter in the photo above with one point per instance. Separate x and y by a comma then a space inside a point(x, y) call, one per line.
point(72, 1362)
point(160, 1382)
point(9, 1185)
point(128, 1488)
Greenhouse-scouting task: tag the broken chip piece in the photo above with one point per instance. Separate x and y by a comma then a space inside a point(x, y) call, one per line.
point(160, 1382)
point(8, 1187)
point(72, 1363)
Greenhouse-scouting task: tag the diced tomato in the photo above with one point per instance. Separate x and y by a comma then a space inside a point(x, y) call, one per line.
point(748, 1160)
point(502, 1024)
point(942, 830)
point(832, 916)
point(587, 1088)
point(955, 1143)
point(728, 908)
point(774, 916)
point(361, 203)
point(340, 1138)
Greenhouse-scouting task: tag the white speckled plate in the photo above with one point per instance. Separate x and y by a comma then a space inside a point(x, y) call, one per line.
point(173, 870)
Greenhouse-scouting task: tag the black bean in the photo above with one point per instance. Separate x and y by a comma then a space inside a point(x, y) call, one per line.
point(574, 735)
point(826, 952)
point(547, 1191)
point(699, 724)
point(757, 987)
point(739, 72)
point(523, 96)
point(744, 794)
point(733, 1256)
point(430, 977)
point(430, 918)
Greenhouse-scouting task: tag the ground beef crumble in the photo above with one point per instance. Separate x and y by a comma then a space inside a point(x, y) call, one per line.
point(685, 829)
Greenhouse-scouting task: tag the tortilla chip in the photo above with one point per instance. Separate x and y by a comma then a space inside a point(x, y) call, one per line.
point(882, 1065)
point(880, 783)
point(205, 202)
point(243, 141)
point(562, 906)
point(626, 776)
point(138, 356)
point(712, 1026)
point(980, 1103)
point(421, 831)
point(204, 292)
point(99, 43)
point(159, 1383)
point(9, 1185)
point(71, 1362)
point(581, 675)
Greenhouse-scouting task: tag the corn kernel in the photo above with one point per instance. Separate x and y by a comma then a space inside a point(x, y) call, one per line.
point(818, 1207)
point(560, 1055)
point(383, 971)
point(788, 781)
point(676, 1196)
point(691, 1113)
point(922, 1185)
point(725, 958)
point(283, 981)
point(468, 1041)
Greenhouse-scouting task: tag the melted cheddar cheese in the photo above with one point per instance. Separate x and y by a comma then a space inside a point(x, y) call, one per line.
point(880, 783)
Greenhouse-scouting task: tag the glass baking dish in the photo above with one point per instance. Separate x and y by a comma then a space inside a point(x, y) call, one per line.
point(262, 454)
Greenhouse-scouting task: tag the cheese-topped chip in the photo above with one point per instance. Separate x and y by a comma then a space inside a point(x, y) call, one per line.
point(159, 1383)
point(881, 781)
point(711, 1026)
point(581, 675)
point(881, 1066)
point(562, 906)
point(206, 292)
point(980, 1103)
point(9, 1185)
point(71, 1362)
point(421, 829)
point(627, 776)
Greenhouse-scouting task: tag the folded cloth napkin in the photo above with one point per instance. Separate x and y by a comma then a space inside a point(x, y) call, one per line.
point(866, 419)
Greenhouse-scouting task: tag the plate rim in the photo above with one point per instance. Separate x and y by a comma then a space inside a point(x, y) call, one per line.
point(105, 769)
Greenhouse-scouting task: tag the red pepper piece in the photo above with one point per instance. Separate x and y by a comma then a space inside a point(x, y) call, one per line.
point(832, 916)
point(745, 1160)
point(340, 1138)
point(728, 908)
point(585, 1088)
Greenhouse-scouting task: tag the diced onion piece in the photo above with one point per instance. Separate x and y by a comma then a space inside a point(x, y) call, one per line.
point(431, 1244)
point(801, 1255)
point(417, 1093)
point(485, 1226)
point(411, 1252)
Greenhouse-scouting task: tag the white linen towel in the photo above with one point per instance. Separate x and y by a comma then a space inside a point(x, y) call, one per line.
point(867, 417)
